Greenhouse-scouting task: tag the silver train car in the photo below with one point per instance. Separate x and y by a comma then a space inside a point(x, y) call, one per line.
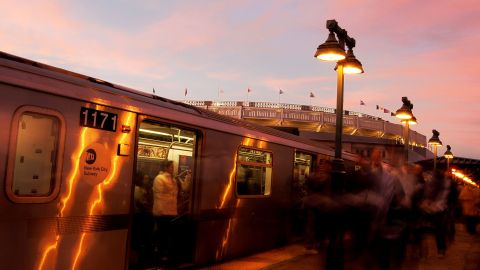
point(79, 156)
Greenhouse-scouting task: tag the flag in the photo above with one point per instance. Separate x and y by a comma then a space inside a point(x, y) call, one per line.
point(362, 103)
point(249, 90)
point(280, 91)
point(186, 91)
point(312, 95)
point(385, 110)
point(221, 91)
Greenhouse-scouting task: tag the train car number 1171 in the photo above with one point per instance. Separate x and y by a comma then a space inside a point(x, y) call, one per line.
point(98, 119)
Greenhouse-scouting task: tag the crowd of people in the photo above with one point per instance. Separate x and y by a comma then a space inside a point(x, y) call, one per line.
point(382, 211)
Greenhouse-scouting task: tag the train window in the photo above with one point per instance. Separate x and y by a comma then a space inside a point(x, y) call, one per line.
point(254, 172)
point(34, 162)
point(301, 171)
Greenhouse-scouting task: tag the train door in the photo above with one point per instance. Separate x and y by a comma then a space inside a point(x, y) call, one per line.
point(301, 171)
point(162, 228)
point(66, 199)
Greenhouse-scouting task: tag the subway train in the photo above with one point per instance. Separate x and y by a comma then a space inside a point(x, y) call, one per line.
point(79, 157)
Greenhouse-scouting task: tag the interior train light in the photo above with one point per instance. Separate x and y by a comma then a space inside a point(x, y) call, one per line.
point(164, 134)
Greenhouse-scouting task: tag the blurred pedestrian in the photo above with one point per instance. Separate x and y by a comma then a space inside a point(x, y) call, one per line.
point(321, 210)
point(470, 200)
point(433, 207)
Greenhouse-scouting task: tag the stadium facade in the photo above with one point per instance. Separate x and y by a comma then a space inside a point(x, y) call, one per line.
point(361, 132)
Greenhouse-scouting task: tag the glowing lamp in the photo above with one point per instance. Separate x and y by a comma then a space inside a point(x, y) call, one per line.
point(448, 154)
point(351, 65)
point(411, 121)
point(330, 50)
point(404, 113)
point(435, 140)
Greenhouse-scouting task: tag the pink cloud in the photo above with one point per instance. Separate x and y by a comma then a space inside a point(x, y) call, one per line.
point(44, 29)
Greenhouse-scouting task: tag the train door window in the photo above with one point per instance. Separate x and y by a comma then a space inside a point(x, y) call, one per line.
point(34, 162)
point(162, 198)
point(301, 170)
point(161, 144)
point(254, 172)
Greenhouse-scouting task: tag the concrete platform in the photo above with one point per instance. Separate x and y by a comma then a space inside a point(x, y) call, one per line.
point(462, 253)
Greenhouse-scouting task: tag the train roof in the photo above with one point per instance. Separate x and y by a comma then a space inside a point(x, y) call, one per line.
point(128, 95)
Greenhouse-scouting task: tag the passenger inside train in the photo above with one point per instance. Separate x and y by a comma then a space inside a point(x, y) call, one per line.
point(162, 193)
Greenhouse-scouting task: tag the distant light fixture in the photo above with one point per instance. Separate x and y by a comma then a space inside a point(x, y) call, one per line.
point(405, 112)
point(448, 154)
point(435, 140)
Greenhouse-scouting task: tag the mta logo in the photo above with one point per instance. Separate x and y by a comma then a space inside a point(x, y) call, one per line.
point(91, 156)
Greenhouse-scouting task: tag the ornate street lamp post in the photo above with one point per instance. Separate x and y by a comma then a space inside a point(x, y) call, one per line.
point(334, 51)
point(406, 117)
point(448, 155)
point(435, 142)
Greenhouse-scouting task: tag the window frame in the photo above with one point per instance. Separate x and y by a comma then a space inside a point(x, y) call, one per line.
point(11, 155)
point(196, 152)
point(238, 162)
point(314, 158)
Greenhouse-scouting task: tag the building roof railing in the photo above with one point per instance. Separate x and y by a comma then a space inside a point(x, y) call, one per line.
point(308, 114)
point(274, 105)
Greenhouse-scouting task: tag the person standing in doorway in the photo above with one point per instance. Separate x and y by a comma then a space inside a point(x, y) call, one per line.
point(165, 191)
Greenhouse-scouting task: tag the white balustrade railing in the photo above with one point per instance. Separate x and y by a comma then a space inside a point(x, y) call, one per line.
point(303, 113)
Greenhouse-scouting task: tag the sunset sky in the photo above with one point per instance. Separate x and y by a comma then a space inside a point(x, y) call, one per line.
point(425, 50)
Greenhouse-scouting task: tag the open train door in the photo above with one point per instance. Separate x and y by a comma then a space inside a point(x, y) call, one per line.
point(162, 225)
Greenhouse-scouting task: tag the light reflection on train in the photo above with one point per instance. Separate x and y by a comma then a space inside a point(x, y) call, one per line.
point(88, 170)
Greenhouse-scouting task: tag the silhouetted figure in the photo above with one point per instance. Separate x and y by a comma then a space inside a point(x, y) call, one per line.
point(361, 202)
point(321, 210)
point(184, 181)
point(143, 223)
point(470, 199)
point(389, 224)
point(453, 205)
point(433, 207)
